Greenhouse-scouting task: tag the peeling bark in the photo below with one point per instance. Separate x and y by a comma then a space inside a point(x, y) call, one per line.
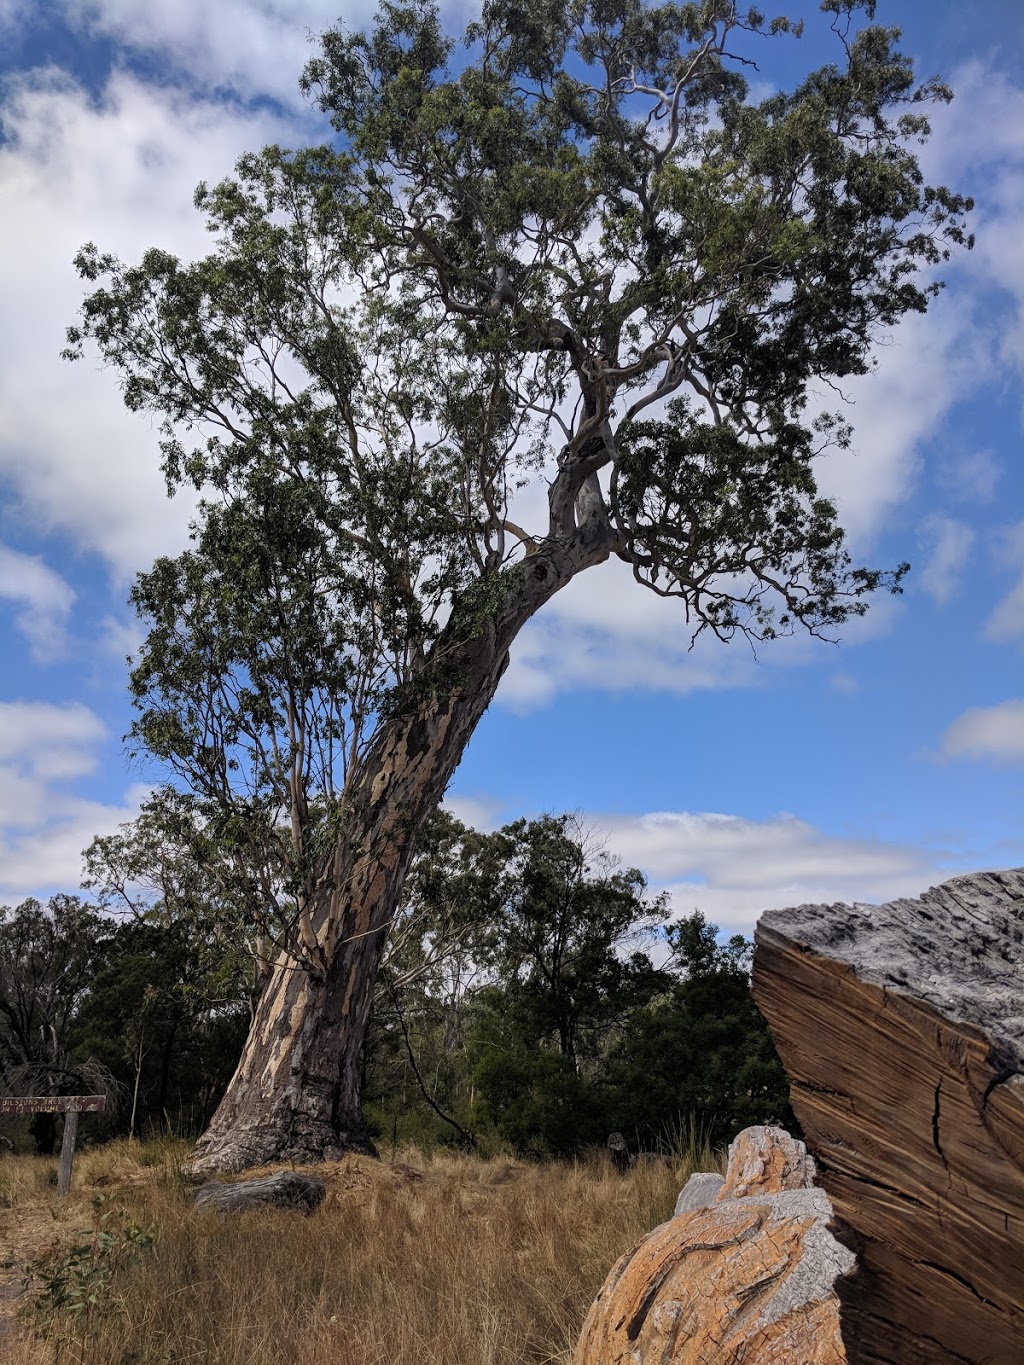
point(295, 1092)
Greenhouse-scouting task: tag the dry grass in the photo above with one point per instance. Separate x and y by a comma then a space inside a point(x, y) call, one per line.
point(425, 1261)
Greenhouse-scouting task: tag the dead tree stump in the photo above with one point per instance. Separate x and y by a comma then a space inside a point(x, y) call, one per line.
point(901, 1028)
point(618, 1151)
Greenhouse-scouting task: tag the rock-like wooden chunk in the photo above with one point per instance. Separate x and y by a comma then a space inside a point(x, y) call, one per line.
point(747, 1277)
point(699, 1191)
point(766, 1161)
point(283, 1189)
point(901, 1028)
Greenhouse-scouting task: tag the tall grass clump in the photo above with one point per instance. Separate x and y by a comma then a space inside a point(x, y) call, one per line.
point(446, 1260)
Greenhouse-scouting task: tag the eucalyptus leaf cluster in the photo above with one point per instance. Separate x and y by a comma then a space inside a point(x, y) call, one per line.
point(574, 255)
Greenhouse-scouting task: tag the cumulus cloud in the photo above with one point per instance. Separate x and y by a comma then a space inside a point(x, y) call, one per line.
point(48, 857)
point(120, 172)
point(50, 741)
point(924, 368)
point(251, 47)
point(1006, 623)
point(45, 749)
point(931, 362)
point(120, 637)
point(733, 868)
point(12, 12)
point(478, 812)
point(971, 477)
point(949, 544)
point(604, 631)
point(42, 598)
point(979, 145)
point(990, 733)
point(983, 126)
point(844, 683)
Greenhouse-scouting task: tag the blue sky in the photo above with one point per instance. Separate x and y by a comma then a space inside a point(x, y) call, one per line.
point(862, 770)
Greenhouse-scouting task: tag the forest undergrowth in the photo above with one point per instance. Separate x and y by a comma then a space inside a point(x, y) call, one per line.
point(438, 1259)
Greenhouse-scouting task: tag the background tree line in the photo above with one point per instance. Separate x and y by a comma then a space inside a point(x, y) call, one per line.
point(533, 995)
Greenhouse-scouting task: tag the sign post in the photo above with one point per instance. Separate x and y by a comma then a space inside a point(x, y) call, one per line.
point(68, 1105)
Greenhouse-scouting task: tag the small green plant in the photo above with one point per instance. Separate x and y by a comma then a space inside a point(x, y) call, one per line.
point(75, 1283)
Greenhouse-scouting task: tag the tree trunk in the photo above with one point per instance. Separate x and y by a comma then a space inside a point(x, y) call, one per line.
point(295, 1093)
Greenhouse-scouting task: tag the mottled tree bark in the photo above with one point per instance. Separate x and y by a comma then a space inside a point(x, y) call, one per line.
point(295, 1094)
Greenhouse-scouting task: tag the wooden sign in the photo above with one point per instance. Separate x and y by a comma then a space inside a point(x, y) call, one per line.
point(68, 1105)
point(51, 1104)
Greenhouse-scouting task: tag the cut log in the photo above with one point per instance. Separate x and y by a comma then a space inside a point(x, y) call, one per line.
point(283, 1190)
point(744, 1272)
point(901, 1028)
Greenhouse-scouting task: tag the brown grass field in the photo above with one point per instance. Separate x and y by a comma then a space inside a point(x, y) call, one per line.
point(423, 1260)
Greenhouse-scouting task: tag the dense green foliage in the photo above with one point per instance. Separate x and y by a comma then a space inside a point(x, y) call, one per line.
point(534, 996)
point(154, 1018)
point(131, 1008)
point(47, 956)
point(579, 255)
point(571, 293)
point(570, 1010)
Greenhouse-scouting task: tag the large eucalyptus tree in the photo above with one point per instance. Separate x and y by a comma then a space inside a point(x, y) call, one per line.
point(578, 256)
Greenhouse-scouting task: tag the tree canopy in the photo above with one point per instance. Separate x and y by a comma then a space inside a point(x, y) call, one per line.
point(569, 292)
point(579, 256)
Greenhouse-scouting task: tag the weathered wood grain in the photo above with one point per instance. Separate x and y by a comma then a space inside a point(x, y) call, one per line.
point(283, 1189)
point(52, 1104)
point(902, 1030)
point(747, 1276)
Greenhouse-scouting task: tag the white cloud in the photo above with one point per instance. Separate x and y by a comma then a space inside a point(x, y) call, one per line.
point(950, 544)
point(1006, 622)
point(607, 632)
point(933, 361)
point(993, 733)
point(845, 683)
point(478, 812)
point(926, 365)
point(979, 146)
point(982, 127)
point(732, 868)
point(120, 173)
point(971, 478)
point(252, 47)
point(49, 741)
point(12, 13)
point(44, 823)
point(48, 857)
point(122, 638)
point(44, 599)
